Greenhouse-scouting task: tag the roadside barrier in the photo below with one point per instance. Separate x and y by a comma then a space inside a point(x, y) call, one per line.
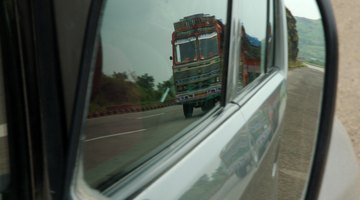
point(128, 108)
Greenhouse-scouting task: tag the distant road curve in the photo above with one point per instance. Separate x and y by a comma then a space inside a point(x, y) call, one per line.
point(321, 69)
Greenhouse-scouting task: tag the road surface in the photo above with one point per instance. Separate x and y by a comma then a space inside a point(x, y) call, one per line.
point(119, 140)
point(300, 129)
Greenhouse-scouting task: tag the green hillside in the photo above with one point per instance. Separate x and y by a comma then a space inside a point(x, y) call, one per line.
point(311, 40)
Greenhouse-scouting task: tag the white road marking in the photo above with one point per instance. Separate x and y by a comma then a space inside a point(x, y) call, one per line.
point(114, 135)
point(316, 68)
point(294, 173)
point(150, 116)
point(3, 130)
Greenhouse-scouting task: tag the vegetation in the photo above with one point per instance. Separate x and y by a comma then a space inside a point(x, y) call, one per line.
point(296, 64)
point(311, 41)
point(305, 41)
point(293, 41)
point(293, 38)
point(123, 90)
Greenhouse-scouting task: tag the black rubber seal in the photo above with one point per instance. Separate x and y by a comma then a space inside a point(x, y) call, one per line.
point(226, 52)
point(79, 109)
point(328, 100)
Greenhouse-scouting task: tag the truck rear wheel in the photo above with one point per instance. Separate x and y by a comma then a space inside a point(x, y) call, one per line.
point(208, 105)
point(188, 110)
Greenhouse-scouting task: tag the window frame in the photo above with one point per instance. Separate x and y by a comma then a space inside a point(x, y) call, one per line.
point(269, 67)
point(74, 185)
point(242, 96)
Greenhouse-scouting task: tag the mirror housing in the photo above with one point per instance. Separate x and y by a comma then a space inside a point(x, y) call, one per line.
point(328, 100)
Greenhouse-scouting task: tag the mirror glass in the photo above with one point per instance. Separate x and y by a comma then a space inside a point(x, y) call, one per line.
point(306, 45)
point(158, 73)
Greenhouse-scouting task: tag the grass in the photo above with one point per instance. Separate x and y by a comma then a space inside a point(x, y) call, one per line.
point(296, 64)
point(321, 65)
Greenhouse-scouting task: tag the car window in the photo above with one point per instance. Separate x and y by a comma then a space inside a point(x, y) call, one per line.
point(4, 153)
point(157, 72)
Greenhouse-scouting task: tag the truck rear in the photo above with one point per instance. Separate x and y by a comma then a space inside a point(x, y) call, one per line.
point(197, 61)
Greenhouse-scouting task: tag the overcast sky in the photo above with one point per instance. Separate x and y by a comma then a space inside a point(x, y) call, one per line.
point(136, 35)
point(303, 8)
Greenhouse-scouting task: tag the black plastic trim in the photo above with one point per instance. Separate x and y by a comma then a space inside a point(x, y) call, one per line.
point(28, 62)
point(328, 100)
point(20, 175)
point(23, 99)
point(226, 51)
point(50, 97)
point(82, 95)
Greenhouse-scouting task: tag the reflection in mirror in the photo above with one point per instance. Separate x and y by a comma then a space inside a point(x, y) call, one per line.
point(197, 41)
point(246, 161)
point(305, 86)
point(252, 40)
point(141, 100)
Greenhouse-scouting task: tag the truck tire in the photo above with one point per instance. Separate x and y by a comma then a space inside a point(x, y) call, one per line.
point(188, 110)
point(208, 105)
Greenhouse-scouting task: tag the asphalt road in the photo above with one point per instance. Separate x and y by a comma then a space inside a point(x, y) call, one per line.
point(300, 128)
point(119, 140)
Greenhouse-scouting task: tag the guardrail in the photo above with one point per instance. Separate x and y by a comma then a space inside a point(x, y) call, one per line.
point(129, 108)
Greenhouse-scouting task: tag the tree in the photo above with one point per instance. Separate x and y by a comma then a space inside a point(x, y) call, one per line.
point(120, 75)
point(145, 81)
point(293, 38)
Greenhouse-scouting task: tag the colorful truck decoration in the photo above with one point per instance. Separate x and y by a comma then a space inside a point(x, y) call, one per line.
point(197, 61)
point(250, 57)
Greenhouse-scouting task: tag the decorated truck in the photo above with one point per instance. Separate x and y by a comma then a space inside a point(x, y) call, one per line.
point(250, 57)
point(197, 61)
